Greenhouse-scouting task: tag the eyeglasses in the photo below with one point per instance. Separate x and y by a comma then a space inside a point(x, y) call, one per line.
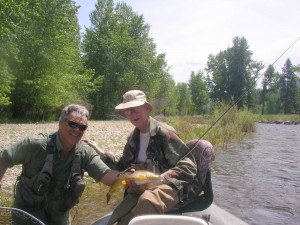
point(74, 125)
point(129, 111)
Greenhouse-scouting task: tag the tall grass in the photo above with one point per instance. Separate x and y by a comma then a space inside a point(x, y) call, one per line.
point(235, 124)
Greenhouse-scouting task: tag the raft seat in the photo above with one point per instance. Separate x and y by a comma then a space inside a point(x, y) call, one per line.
point(166, 220)
point(203, 197)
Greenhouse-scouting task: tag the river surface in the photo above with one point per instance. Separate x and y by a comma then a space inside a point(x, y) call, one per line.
point(258, 178)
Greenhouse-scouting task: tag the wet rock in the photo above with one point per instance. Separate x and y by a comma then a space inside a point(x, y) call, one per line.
point(278, 121)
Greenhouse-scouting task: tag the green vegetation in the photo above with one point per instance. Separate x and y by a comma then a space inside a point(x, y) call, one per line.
point(235, 124)
point(45, 63)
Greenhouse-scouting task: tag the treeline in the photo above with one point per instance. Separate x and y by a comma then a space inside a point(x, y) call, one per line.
point(45, 63)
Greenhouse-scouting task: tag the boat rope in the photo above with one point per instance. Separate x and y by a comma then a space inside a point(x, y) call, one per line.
point(234, 103)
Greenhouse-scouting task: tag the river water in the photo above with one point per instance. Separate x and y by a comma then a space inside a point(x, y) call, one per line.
point(258, 178)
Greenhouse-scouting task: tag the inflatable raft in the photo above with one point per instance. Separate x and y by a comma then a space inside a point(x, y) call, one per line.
point(214, 215)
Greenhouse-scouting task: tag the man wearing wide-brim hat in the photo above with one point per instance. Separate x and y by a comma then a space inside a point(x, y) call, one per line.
point(154, 146)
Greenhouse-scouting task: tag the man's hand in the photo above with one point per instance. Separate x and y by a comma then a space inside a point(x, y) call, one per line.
point(131, 184)
point(94, 146)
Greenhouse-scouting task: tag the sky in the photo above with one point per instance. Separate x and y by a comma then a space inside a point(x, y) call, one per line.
point(188, 31)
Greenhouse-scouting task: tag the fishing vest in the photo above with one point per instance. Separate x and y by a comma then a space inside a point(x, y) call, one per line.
point(75, 185)
point(33, 191)
point(152, 154)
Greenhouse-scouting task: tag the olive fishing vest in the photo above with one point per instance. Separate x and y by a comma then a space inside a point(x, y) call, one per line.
point(32, 191)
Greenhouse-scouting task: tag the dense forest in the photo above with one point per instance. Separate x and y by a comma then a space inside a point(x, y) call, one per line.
point(46, 63)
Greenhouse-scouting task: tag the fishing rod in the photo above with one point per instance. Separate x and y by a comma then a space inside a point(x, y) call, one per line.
point(233, 104)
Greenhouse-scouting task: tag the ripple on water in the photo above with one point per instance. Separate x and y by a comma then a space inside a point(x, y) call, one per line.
point(262, 176)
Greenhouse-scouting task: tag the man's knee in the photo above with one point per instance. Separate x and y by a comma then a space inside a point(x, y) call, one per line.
point(157, 200)
point(149, 203)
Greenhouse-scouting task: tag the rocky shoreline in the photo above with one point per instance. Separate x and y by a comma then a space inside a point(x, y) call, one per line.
point(285, 122)
point(110, 136)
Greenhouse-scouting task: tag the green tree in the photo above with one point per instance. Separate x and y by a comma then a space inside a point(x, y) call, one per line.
point(233, 74)
point(164, 96)
point(49, 66)
point(199, 92)
point(297, 69)
point(184, 105)
point(272, 103)
point(218, 77)
point(252, 95)
point(269, 95)
point(239, 65)
point(267, 82)
point(118, 48)
point(11, 13)
point(289, 88)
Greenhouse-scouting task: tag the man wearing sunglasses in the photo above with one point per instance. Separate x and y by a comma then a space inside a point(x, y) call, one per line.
point(48, 190)
point(152, 146)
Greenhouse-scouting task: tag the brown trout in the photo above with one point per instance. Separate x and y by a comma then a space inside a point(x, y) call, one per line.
point(140, 177)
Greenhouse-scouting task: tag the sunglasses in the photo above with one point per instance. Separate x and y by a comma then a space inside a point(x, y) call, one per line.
point(74, 125)
point(132, 110)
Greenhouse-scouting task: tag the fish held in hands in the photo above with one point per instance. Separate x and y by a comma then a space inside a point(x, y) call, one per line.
point(144, 179)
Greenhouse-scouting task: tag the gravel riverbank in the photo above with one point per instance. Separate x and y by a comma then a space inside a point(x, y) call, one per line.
point(110, 136)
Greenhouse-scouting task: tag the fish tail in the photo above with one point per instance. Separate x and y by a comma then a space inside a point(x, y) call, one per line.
point(112, 189)
point(108, 196)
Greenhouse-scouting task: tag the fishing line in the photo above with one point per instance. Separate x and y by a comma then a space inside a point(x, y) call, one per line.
point(234, 103)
